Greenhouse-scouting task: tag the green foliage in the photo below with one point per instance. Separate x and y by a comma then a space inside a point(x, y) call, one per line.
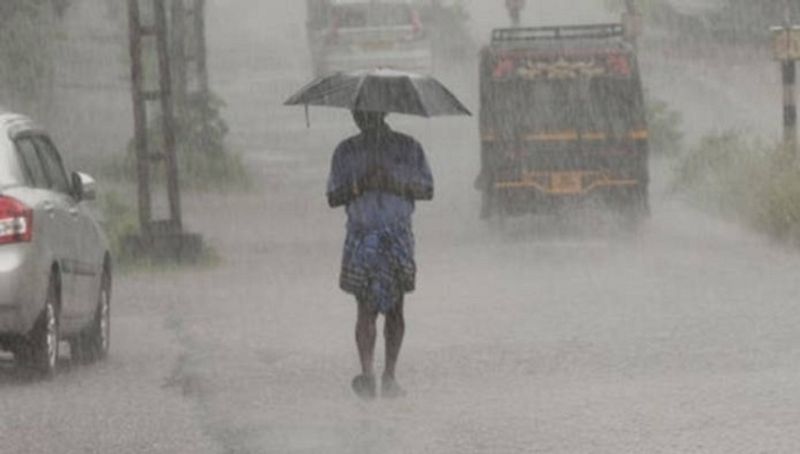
point(119, 221)
point(779, 214)
point(204, 163)
point(203, 158)
point(202, 128)
point(746, 180)
point(724, 173)
point(664, 124)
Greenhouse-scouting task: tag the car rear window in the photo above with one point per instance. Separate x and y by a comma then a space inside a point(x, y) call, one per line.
point(53, 165)
point(31, 164)
point(377, 15)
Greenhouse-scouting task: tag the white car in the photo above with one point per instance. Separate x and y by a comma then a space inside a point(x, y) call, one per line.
point(55, 264)
point(349, 35)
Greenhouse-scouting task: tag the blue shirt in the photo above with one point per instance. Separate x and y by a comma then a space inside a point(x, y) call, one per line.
point(400, 156)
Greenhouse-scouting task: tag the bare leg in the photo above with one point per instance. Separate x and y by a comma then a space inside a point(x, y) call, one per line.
point(393, 330)
point(366, 334)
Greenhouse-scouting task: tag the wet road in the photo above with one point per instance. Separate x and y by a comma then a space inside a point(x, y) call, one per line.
point(548, 337)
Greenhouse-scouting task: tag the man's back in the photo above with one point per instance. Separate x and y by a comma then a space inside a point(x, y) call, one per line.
point(396, 155)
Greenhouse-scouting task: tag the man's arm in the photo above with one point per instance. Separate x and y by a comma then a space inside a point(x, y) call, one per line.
point(420, 185)
point(341, 190)
point(410, 190)
point(423, 186)
point(342, 196)
point(417, 184)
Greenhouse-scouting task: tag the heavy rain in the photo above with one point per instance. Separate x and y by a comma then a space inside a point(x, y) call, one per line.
point(607, 263)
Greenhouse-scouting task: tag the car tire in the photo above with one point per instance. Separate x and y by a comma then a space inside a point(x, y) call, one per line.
point(92, 344)
point(46, 336)
point(98, 339)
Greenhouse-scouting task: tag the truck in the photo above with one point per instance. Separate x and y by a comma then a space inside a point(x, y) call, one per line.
point(562, 122)
point(348, 35)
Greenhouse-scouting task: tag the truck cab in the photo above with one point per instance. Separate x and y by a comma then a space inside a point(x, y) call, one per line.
point(562, 121)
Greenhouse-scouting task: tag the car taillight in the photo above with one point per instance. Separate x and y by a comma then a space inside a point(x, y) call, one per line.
point(16, 221)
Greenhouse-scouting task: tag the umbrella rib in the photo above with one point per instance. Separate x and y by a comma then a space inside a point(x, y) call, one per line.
point(357, 94)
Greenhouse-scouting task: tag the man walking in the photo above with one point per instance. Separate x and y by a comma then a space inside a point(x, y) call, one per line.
point(378, 175)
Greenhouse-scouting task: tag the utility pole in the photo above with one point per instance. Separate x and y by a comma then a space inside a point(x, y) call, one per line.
point(165, 237)
point(789, 71)
point(787, 51)
point(790, 91)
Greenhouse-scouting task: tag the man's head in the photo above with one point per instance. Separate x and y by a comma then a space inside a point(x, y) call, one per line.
point(368, 121)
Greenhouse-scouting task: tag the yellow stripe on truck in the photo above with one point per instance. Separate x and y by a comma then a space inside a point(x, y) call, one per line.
point(570, 136)
point(532, 183)
point(564, 136)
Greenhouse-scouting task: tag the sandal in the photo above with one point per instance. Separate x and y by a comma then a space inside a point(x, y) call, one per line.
point(390, 389)
point(364, 386)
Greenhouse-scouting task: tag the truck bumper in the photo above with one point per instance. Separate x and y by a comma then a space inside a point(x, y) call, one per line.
point(523, 198)
point(567, 184)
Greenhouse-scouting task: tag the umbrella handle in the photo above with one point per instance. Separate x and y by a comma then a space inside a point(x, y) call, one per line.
point(308, 119)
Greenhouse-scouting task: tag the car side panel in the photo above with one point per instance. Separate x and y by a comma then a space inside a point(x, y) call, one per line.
point(72, 307)
point(73, 304)
point(92, 248)
point(25, 267)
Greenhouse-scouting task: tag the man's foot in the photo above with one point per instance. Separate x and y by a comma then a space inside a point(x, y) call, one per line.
point(390, 389)
point(364, 386)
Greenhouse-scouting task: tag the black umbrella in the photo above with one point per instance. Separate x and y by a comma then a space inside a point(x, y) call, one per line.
point(381, 90)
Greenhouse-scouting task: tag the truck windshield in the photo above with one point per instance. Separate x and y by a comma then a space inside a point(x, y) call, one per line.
point(375, 15)
point(599, 105)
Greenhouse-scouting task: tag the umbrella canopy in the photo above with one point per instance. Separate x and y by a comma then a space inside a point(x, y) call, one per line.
point(381, 90)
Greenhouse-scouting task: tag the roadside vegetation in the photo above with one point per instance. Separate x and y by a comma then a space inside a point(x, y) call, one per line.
point(664, 124)
point(120, 221)
point(204, 161)
point(731, 175)
point(205, 165)
point(746, 180)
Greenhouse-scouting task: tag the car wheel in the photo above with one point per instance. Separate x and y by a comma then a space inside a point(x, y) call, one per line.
point(99, 336)
point(46, 336)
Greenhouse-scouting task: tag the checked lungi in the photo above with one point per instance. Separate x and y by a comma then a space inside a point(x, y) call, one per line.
point(378, 265)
